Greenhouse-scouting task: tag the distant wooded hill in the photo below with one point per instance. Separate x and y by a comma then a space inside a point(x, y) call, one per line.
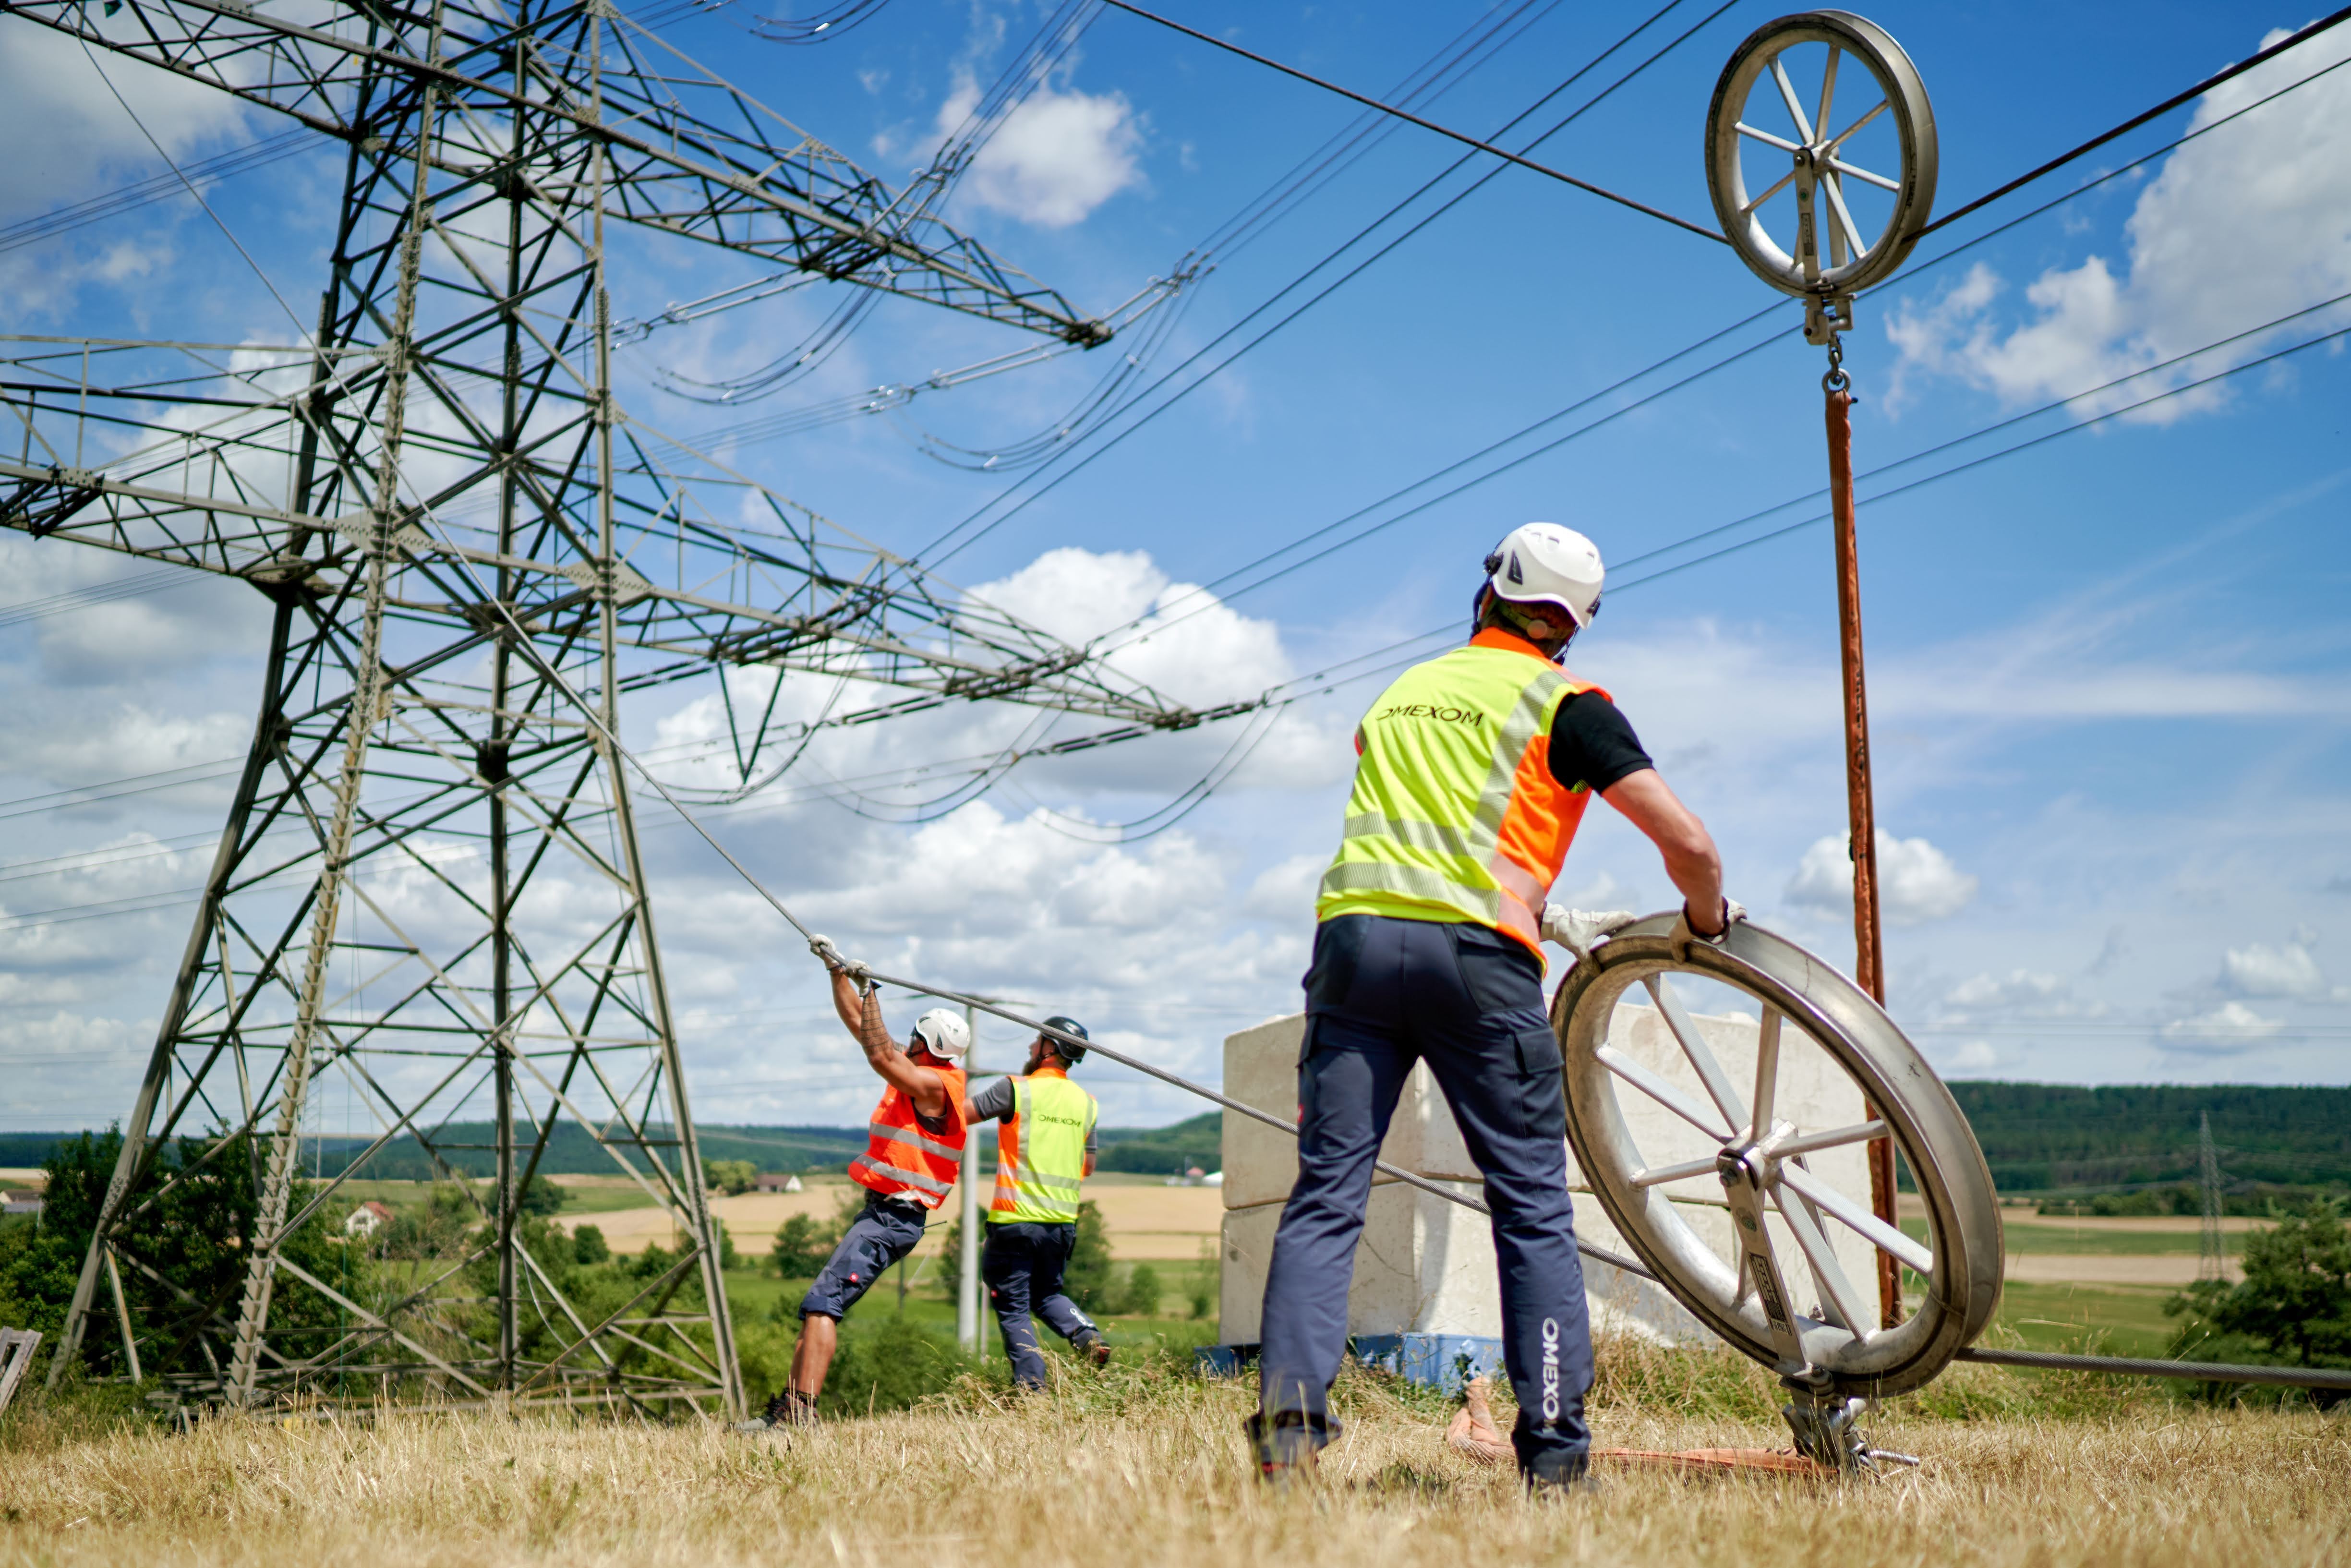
point(2038, 1137)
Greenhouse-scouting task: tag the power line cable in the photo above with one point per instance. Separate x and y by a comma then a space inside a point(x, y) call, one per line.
point(155, 188)
point(301, 331)
point(1412, 119)
point(1924, 268)
point(1303, 278)
point(2134, 122)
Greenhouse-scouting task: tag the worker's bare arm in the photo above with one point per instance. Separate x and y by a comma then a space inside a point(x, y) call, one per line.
point(862, 1014)
point(1691, 859)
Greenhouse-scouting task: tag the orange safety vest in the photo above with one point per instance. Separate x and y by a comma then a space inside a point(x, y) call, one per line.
point(1455, 814)
point(901, 1159)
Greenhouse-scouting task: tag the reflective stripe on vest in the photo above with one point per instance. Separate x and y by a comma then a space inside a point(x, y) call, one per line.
point(901, 1158)
point(1041, 1152)
point(1454, 814)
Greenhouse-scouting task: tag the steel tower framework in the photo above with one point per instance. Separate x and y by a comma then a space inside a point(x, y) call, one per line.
point(429, 883)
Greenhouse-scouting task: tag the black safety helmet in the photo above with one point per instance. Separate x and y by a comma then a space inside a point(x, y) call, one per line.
point(1073, 1054)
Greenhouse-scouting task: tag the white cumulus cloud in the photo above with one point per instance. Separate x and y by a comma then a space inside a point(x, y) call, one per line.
point(1056, 158)
point(2259, 970)
point(2241, 227)
point(1916, 883)
point(2229, 1024)
point(2022, 993)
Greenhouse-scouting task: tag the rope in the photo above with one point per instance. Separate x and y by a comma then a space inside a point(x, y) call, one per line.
point(524, 645)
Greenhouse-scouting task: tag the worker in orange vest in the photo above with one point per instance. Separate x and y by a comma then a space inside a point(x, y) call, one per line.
point(914, 1151)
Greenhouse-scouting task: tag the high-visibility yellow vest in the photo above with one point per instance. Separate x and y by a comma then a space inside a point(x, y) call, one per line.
point(1455, 815)
point(1040, 1151)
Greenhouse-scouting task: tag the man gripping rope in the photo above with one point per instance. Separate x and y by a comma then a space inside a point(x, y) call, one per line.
point(1475, 770)
point(912, 1153)
point(1045, 1149)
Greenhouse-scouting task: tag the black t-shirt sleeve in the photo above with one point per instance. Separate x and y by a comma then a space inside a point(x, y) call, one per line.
point(1592, 744)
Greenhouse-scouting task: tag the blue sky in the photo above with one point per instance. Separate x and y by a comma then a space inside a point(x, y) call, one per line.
point(2108, 672)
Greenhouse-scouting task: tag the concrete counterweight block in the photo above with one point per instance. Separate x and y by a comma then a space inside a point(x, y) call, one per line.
point(1425, 1271)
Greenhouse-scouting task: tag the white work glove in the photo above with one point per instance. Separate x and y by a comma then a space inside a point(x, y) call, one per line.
point(1577, 929)
point(821, 945)
point(1733, 912)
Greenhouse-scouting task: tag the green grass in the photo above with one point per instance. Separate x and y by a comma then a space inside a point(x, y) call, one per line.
point(2106, 1320)
point(2046, 1237)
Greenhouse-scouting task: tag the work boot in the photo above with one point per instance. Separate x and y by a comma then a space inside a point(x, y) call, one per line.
point(1560, 1476)
point(1093, 1347)
point(1285, 1447)
point(789, 1408)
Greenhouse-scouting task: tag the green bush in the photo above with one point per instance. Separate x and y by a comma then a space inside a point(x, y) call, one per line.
point(2293, 1303)
point(890, 1367)
point(589, 1246)
point(1088, 1277)
point(802, 1245)
point(730, 1176)
point(1142, 1292)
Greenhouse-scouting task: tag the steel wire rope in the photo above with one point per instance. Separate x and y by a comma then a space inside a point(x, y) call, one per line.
point(1914, 274)
point(1248, 224)
point(1412, 119)
point(1242, 226)
point(301, 332)
point(1031, 67)
point(2208, 84)
point(2089, 424)
point(155, 188)
point(1452, 628)
point(1443, 71)
point(595, 720)
point(1361, 234)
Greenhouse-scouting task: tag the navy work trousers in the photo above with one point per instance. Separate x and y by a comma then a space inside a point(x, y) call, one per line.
point(1023, 1265)
point(1382, 995)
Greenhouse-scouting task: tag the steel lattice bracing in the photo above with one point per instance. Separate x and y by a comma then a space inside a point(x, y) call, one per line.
point(429, 888)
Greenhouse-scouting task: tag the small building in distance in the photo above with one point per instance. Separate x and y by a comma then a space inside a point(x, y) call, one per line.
point(367, 1220)
point(19, 1201)
point(779, 1181)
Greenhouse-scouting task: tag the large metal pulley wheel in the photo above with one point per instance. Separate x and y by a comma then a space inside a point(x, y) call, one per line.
point(1718, 1106)
point(1820, 153)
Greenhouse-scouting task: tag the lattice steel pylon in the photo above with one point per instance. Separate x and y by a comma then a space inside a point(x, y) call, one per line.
point(429, 881)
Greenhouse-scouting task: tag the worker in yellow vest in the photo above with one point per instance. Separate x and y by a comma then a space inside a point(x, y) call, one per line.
point(914, 1151)
point(1475, 769)
point(1045, 1149)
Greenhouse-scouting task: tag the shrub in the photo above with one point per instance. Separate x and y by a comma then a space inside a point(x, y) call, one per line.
point(1088, 1278)
point(1142, 1292)
point(802, 1245)
point(589, 1246)
point(2294, 1301)
point(730, 1176)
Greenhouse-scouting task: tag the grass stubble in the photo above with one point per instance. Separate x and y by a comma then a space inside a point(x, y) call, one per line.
point(1143, 1465)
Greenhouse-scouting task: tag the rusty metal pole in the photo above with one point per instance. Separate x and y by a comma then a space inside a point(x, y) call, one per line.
point(1869, 951)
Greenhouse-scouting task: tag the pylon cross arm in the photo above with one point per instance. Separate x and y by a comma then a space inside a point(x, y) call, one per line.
point(800, 205)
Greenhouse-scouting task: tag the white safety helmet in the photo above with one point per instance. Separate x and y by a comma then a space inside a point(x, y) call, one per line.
point(1545, 563)
point(944, 1034)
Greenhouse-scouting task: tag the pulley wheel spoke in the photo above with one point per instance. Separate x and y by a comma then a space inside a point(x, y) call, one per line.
point(1838, 1207)
point(1782, 142)
point(1804, 1223)
point(1788, 97)
point(1663, 1092)
point(1767, 1071)
point(1709, 1196)
point(1693, 1044)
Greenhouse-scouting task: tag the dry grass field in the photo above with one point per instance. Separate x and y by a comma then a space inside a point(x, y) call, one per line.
point(1144, 1466)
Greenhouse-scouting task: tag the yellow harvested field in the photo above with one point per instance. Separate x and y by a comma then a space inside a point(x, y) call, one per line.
point(2108, 1268)
point(1157, 1223)
point(1156, 1480)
